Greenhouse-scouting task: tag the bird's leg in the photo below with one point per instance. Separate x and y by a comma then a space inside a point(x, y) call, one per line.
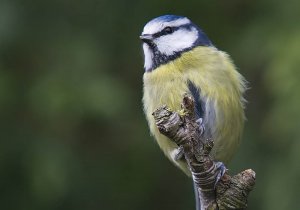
point(221, 171)
point(216, 189)
point(221, 168)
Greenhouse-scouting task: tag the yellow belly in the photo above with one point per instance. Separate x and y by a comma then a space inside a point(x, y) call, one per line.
point(220, 88)
point(156, 97)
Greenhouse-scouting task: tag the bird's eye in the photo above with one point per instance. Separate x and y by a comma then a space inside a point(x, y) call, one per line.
point(168, 30)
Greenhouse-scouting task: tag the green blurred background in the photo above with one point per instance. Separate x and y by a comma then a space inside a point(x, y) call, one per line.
point(73, 133)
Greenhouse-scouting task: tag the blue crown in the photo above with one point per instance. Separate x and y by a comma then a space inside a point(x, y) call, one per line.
point(167, 18)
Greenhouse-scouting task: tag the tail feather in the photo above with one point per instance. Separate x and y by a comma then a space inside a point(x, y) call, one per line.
point(197, 198)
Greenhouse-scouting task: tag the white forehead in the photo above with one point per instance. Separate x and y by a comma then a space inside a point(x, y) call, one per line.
point(157, 25)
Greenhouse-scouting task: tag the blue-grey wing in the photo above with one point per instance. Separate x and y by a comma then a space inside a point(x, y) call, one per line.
point(206, 114)
point(199, 104)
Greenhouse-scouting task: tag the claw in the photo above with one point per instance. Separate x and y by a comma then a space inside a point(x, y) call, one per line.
point(201, 125)
point(222, 169)
point(199, 121)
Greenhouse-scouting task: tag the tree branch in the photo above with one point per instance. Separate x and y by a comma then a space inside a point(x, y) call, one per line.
point(182, 128)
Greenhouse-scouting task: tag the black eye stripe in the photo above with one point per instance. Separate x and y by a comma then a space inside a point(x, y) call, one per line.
point(165, 31)
point(159, 58)
point(173, 29)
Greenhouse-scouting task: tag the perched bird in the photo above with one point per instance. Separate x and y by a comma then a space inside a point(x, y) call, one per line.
point(179, 59)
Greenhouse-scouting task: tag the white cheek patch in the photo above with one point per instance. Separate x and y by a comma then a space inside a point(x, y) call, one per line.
point(148, 57)
point(154, 27)
point(177, 41)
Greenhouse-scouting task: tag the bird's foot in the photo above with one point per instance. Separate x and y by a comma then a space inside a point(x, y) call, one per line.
point(221, 171)
point(201, 125)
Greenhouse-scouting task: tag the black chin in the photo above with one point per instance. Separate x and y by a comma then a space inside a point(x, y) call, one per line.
point(150, 43)
point(161, 59)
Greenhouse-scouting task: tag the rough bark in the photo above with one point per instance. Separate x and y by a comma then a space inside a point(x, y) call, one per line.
point(216, 190)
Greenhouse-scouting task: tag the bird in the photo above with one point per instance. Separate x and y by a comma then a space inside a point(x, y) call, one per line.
point(179, 58)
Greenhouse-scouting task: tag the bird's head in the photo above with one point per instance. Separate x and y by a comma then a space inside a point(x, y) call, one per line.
point(167, 37)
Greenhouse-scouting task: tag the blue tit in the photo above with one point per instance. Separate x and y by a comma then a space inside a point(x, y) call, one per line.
point(179, 59)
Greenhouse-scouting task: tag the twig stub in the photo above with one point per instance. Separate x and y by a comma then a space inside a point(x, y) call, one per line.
point(182, 128)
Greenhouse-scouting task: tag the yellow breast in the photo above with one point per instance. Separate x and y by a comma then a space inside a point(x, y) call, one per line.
point(221, 88)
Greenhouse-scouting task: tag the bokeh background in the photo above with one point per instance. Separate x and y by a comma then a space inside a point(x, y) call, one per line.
point(73, 133)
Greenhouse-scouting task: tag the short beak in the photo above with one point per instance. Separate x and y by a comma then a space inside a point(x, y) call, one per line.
point(146, 38)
